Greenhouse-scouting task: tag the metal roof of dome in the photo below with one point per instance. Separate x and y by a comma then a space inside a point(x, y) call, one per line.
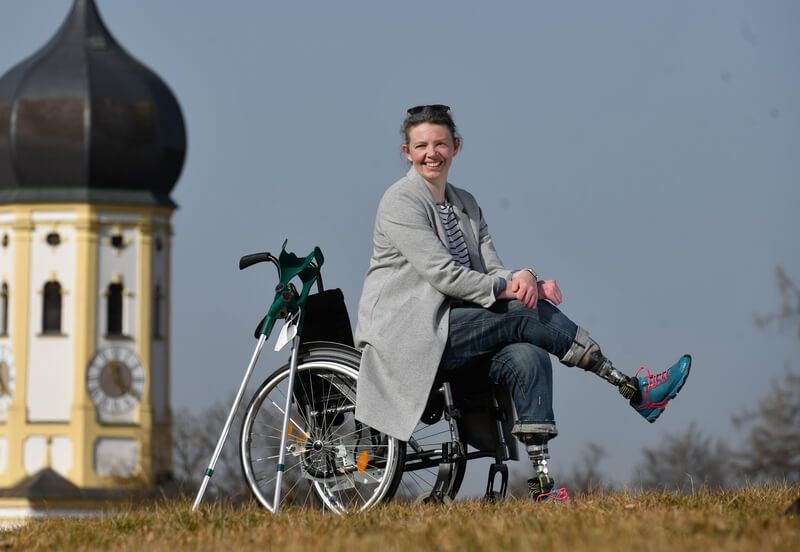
point(83, 121)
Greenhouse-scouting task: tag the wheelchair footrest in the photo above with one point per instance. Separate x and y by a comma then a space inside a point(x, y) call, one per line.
point(491, 494)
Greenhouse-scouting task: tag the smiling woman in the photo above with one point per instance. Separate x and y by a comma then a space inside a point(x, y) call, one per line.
point(431, 143)
point(432, 249)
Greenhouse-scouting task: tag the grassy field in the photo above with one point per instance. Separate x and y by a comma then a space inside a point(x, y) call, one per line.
point(744, 519)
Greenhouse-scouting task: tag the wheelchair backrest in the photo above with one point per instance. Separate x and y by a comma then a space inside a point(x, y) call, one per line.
point(326, 319)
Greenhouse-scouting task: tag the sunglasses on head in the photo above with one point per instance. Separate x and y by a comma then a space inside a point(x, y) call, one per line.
point(435, 107)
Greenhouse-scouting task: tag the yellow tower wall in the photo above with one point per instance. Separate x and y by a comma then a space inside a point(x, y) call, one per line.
point(85, 432)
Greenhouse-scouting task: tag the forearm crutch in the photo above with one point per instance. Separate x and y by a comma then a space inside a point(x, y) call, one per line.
point(287, 304)
point(285, 428)
point(225, 430)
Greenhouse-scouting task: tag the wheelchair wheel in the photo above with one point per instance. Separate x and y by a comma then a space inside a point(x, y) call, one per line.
point(421, 465)
point(331, 458)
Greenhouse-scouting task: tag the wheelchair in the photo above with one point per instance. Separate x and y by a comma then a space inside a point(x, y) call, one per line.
point(300, 444)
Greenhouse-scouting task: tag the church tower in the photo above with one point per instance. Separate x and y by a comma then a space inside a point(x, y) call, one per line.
point(91, 144)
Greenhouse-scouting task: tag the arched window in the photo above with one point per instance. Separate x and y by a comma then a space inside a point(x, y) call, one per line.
point(114, 309)
point(51, 313)
point(4, 309)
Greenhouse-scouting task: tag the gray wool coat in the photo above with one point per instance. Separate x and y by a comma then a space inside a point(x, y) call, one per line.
point(404, 311)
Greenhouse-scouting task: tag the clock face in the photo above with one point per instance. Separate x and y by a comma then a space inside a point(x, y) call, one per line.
point(7, 376)
point(115, 380)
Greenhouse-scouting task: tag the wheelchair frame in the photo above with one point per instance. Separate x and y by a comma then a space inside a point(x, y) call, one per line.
point(332, 340)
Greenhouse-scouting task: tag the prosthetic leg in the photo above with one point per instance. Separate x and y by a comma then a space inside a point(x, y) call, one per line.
point(648, 394)
point(585, 353)
point(542, 483)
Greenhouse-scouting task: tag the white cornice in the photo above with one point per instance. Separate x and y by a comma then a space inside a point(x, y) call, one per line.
point(54, 216)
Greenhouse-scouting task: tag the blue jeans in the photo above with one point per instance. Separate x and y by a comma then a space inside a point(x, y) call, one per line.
point(517, 340)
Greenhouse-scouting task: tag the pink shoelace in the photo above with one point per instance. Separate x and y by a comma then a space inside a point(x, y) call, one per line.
point(652, 381)
point(561, 494)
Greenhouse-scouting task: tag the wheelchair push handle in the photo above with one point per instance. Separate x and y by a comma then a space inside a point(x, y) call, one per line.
point(255, 258)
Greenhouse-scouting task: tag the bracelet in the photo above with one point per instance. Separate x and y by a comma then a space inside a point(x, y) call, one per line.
point(533, 273)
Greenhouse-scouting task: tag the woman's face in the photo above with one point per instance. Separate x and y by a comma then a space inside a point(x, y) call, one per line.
point(431, 149)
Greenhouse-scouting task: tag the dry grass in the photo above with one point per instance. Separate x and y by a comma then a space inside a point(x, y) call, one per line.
point(744, 519)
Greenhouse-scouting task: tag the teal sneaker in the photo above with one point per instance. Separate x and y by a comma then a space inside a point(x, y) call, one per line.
point(656, 390)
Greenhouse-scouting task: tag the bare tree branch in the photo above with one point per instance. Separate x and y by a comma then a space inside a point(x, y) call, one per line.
point(194, 438)
point(772, 445)
point(789, 313)
point(684, 462)
point(586, 476)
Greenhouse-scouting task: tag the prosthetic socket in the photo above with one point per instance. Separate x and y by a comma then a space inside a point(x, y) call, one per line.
point(585, 353)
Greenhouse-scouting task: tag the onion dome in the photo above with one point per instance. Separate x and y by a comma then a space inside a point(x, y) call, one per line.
point(83, 121)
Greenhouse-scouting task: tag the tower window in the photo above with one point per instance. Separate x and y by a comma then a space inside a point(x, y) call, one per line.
point(53, 239)
point(116, 239)
point(114, 309)
point(51, 313)
point(4, 309)
point(5, 379)
point(6, 240)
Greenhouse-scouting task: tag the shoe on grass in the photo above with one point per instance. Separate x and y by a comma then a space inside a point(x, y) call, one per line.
point(541, 489)
point(656, 390)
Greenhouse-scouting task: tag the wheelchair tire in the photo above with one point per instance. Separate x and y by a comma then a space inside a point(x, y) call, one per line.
point(414, 482)
point(332, 459)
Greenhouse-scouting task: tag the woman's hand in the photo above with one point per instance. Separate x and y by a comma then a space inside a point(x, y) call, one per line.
point(522, 288)
point(525, 288)
point(549, 290)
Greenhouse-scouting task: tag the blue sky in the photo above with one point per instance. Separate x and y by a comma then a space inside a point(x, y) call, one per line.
point(644, 154)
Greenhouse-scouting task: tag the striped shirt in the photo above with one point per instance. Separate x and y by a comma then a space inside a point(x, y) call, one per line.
point(458, 247)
